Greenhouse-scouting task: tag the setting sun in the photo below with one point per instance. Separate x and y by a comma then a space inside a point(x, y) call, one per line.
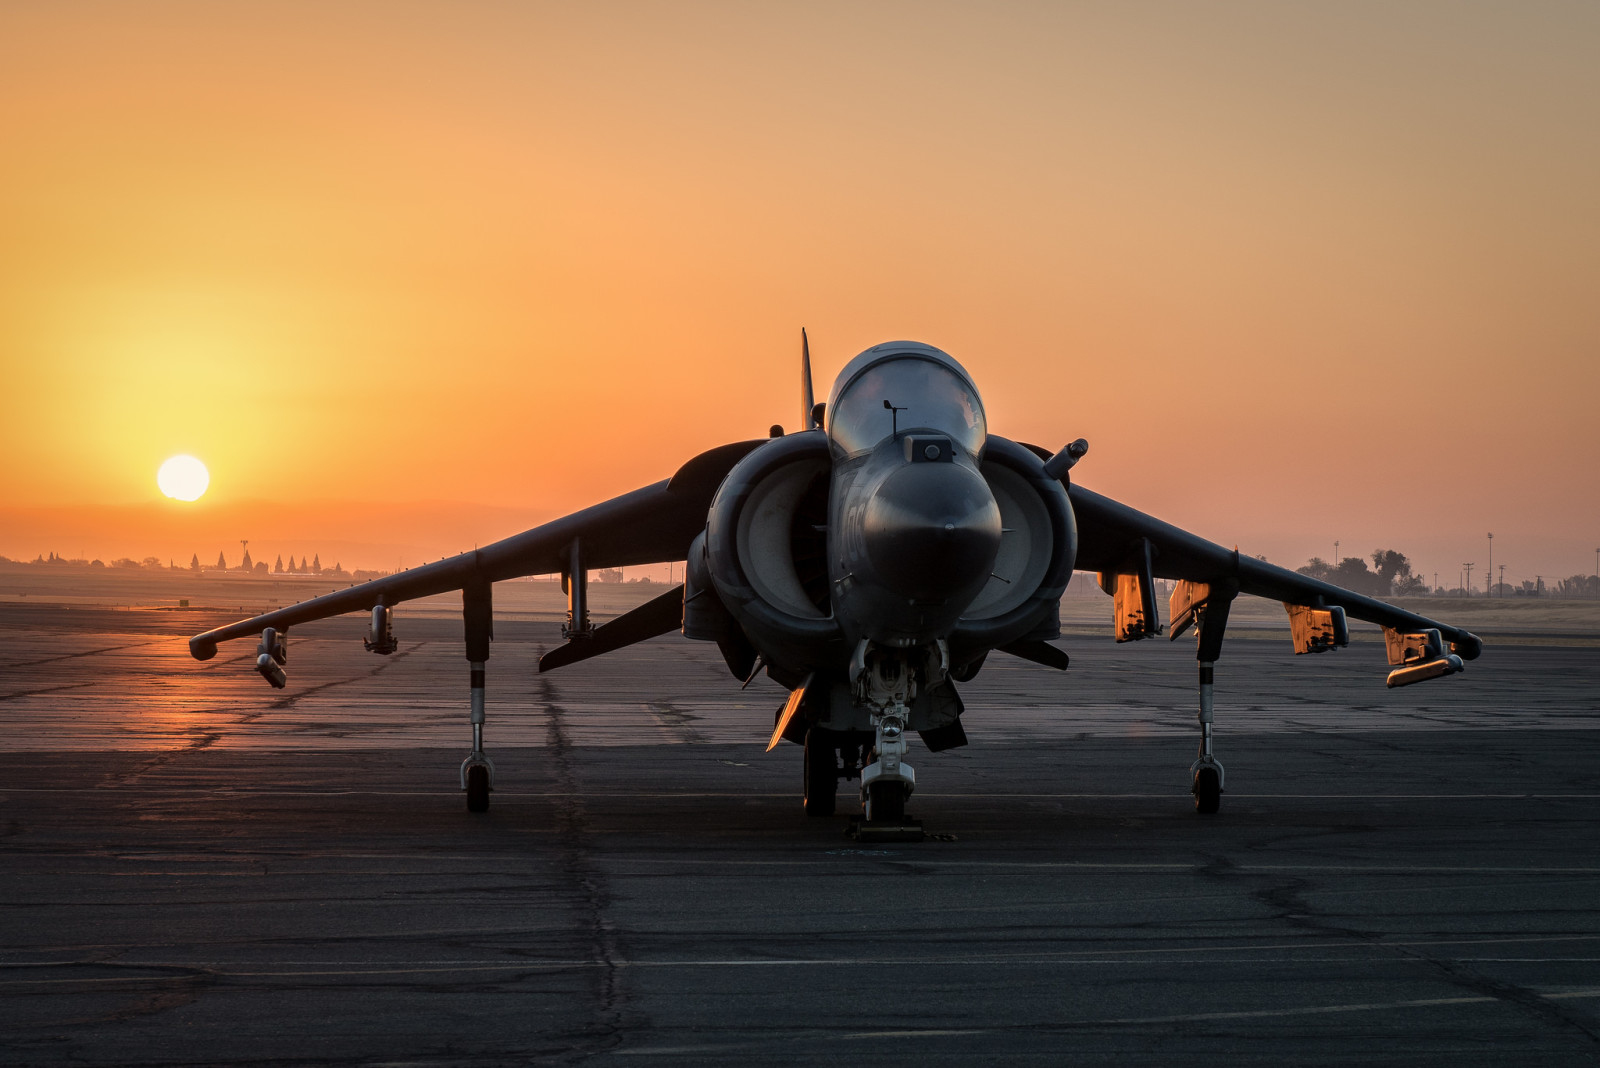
point(183, 478)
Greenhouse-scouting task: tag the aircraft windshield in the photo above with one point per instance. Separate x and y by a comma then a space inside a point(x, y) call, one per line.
point(927, 396)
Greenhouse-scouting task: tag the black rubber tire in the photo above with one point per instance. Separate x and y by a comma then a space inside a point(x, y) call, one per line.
point(477, 788)
point(888, 802)
point(1207, 791)
point(821, 772)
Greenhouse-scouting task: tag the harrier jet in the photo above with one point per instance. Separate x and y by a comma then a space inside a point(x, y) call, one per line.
point(869, 564)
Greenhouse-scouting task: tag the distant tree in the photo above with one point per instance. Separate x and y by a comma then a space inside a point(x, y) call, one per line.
point(97, 563)
point(152, 563)
point(222, 562)
point(1395, 572)
point(316, 564)
point(1578, 586)
point(1352, 574)
point(1317, 568)
point(247, 564)
point(261, 567)
point(277, 568)
point(124, 562)
point(194, 562)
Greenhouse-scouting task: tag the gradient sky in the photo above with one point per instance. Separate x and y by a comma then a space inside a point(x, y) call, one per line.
point(1298, 272)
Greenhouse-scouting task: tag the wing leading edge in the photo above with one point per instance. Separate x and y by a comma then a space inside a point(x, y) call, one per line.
point(649, 525)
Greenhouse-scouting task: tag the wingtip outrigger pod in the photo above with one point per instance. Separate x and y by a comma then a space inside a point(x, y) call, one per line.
point(1419, 656)
point(271, 655)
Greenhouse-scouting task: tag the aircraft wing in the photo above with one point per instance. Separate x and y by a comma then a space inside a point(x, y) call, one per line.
point(1112, 538)
point(649, 525)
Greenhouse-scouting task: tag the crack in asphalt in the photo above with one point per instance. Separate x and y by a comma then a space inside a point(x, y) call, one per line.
point(1286, 898)
point(588, 882)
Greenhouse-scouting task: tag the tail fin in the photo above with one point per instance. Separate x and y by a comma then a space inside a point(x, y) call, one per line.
point(807, 403)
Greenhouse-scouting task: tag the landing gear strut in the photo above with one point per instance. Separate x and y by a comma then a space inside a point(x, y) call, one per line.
point(886, 685)
point(1205, 606)
point(1207, 770)
point(477, 771)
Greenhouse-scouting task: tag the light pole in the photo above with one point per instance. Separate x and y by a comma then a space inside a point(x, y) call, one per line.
point(1336, 554)
point(1488, 577)
point(1500, 590)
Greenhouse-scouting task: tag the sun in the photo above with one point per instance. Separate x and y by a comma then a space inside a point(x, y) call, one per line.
point(183, 478)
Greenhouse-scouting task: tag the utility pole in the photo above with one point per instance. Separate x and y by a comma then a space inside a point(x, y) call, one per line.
point(1468, 568)
point(1336, 554)
point(1500, 590)
point(1488, 577)
point(1436, 579)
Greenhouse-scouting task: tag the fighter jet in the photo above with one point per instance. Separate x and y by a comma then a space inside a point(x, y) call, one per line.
point(869, 563)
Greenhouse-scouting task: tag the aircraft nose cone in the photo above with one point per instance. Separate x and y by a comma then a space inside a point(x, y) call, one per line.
point(932, 530)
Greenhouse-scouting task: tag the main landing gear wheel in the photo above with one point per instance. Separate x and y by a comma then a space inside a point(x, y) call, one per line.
point(477, 788)
point(1207, 791)
point(821, 772)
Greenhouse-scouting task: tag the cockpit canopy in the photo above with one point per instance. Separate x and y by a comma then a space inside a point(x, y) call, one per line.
point(929, 392)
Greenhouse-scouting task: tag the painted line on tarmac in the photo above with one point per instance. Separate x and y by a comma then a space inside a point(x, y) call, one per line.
point(1254, 1014)
point(326, 969)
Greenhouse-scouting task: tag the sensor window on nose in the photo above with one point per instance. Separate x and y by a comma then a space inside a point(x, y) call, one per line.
point(925, 449)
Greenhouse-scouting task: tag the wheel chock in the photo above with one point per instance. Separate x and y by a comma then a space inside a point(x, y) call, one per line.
point(885, 830)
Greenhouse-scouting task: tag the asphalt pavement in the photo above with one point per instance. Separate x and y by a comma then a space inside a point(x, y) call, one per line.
point(196, 869)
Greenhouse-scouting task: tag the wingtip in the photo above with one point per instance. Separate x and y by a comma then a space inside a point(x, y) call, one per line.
point(201, 649)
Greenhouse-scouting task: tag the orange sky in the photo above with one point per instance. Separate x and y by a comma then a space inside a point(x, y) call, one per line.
point(1298, 272)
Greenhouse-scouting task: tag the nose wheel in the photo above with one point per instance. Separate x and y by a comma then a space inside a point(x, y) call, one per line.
point(886, 803)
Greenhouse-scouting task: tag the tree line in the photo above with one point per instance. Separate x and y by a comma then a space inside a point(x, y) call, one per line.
point(1389, 576)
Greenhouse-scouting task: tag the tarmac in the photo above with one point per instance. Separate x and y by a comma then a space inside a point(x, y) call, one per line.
point(197, 869)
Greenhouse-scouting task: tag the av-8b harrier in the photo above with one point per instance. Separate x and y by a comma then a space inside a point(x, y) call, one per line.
point(869, 563)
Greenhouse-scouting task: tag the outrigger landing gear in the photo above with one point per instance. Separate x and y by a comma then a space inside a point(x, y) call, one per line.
point(1205, 606)
point(1207, 770)
point(477, 771)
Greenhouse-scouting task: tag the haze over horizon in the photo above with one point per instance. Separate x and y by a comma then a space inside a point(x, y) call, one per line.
point(1297, 273)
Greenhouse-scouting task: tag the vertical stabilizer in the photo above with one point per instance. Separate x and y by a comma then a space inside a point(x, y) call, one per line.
point(807, 403)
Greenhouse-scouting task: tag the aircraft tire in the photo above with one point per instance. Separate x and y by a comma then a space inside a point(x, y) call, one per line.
point(1207, 792)
point(477, 788)
point(888, 802)
point(821, 774)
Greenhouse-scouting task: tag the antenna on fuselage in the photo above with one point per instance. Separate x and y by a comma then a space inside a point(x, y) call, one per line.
point(808, 407)
point(894, 418)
